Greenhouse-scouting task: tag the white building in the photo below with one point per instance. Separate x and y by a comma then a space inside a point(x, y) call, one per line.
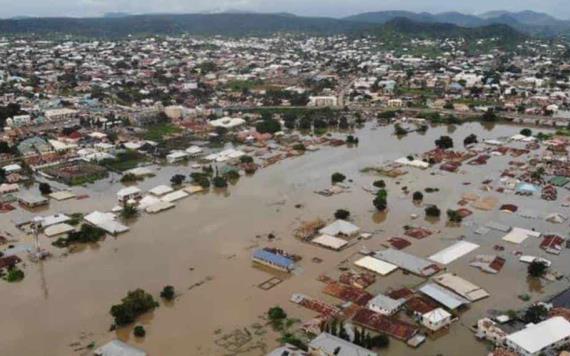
point(60, 114)
point(385, 305)
point(537, 339)
point(321, 101)
point(129, 193)
point(436, 319)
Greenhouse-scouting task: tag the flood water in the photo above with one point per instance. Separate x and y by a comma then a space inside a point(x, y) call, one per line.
point(203, 248)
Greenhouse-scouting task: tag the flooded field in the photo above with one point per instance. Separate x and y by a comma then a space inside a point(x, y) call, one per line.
point(203, 248)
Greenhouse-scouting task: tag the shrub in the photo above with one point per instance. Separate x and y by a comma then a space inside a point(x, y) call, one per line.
point(45, 188)
point(219, 182)
point(167, 293)
point(337, 178)
point(136, 303)
point(537, 269)
point(418, 196)
point(433, 211)
point(454, 216)
point(342, 214)
point(129, 211)
point(379, 184)
point(535, 314)
point(14, 275)
point(139, 331)
point(444, 142)
point(276, 313)
point(246, 159)
point(177, 179)
point(526, 132)
point(469, 140)
point(129, 178)
point(381, 200)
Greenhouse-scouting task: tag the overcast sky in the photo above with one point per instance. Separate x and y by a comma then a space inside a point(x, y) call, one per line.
point(336, 8)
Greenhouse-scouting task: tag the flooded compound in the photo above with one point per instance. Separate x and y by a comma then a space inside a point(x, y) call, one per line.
point(204, 246)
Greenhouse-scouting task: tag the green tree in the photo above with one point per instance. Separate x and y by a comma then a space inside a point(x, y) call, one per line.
point(342, 214)
point(136, 303)
point(337, 178)
point(380, 202)
point(526, 132)
point(433, 211)
point(535, 314)
point(139, 331)
point(379, 184)
point(45, 188)
point(168, 293)
point(418, 196)
point(537, 269)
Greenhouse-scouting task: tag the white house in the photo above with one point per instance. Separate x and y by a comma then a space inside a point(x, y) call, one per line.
point(436, 319)
point(537, 339)
point(129, 193)
point(385, 305)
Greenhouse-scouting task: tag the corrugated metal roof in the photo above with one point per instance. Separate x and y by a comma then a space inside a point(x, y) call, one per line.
point(273, 258)
point(446, 298)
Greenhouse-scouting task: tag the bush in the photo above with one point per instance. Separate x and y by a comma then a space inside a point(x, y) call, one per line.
point(129, 211)
point(444, 142)
point(232, 175)
point(219, 182)
point(337, 178)
point(454, 216)
point(45, 188)
point(246, 159)
point(418, 196)
point(276, 313)
point(177, 179)
point(129, 178)
point(136, 303)
point(342, 214)
point(14, 275)
point(535, 314)
point(433, 211)
point(381, 200)
point(168, 293)
point(139, 331)
point(537, 269)
point(526, 132)
point(380, 341)
point(379, 184)
point(268, 126)
point(86, 234)
point(469, 140)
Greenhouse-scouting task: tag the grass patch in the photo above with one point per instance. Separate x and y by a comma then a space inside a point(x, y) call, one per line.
point(157, 132)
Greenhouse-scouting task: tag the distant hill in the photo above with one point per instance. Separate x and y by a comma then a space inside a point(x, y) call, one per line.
point(237, 24)
point(165, 24)
point(525, 21)
point(116, 14)
point(448, 30)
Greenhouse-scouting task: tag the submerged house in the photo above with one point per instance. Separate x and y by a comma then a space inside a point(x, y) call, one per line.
point(273, 260)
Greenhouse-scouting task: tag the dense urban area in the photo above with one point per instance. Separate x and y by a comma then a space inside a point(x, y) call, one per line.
point(393, 193)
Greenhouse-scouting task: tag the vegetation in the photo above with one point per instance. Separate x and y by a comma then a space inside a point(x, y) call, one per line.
point(537, 269)
point(381, 184)
point(124, 161)
point(380, 202)
point(268, 125)
point(526, 132)
point(337, 178)
point(202, 179)
point(444, 142)
point(130, 178)
point(219, 182)
point(433, 211)
point(159, 131)
point(136, 303)
point(86, 234)
point(454, 216)
point(342, 214)
point(139, 331)
point(14, 274)
point(45, 188)
point(535, 314)
point(129, 211)
point(469, 140)
point(399, 130)
point(246, 159)
point(418, 196)
point(168, 293)
point(177, 179)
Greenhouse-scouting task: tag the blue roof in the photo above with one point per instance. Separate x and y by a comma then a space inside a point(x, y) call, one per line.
point(274, 258)
point(526, 187)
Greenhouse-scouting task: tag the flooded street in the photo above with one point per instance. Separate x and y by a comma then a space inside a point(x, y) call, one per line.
point(203, 248)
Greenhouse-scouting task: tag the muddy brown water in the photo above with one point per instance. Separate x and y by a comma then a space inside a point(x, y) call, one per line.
point(203, 248)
